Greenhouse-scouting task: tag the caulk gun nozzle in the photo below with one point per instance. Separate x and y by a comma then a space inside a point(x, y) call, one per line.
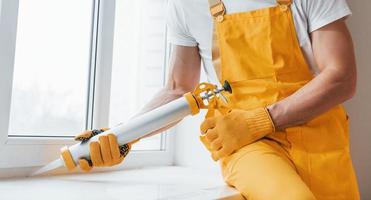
point(51, 166)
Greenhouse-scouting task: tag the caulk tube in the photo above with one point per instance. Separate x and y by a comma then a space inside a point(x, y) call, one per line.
point(137, 127)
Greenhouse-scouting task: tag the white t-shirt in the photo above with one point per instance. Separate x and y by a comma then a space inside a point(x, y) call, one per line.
point(190, 23)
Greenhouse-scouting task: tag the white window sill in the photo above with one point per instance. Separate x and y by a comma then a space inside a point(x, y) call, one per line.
point(145, 183)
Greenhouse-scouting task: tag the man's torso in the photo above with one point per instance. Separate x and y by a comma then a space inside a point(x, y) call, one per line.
point(197, 21)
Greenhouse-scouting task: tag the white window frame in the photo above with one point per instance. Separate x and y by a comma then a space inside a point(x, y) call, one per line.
point(37, 151)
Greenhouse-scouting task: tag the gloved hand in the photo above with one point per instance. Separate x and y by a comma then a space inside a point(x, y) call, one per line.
point(104, 153)
point(224, 134)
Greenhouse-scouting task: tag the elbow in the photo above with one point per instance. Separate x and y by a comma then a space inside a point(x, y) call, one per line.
point(352, 91)
point(350, 87)
point(345, 81)
point(178, 89)
point(176, 92)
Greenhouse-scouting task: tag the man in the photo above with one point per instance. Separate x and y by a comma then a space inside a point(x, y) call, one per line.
point(291, 64)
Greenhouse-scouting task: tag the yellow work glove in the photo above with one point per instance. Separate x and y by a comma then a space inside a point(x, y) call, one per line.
point(224, 134)
point(103, 153)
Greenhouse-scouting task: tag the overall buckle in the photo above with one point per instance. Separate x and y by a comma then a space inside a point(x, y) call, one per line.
point(284, 4)
point(218, 11)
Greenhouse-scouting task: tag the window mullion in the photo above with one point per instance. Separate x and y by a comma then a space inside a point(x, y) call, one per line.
point(93, 65)
point(103, 63)
point(8, 26)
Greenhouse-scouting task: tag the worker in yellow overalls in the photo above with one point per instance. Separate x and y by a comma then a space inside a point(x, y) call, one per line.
point(263, 156)
point(286, 134)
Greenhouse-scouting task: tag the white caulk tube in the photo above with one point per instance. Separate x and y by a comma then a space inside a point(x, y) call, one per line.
point(140, 126)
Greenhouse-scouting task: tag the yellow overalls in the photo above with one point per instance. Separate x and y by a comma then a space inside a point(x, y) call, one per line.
point(260, 56)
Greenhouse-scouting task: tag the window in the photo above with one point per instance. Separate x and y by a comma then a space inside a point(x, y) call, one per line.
point(138, 57)
point(51, 70)
point(75, 65)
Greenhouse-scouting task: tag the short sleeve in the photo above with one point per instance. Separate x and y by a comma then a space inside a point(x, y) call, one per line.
point(323, 12)
point(178, 33)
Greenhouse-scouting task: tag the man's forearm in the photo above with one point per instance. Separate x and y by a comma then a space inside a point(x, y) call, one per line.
point(334, 56)
point(328, 89)
point(184, 75)
point(163, 97)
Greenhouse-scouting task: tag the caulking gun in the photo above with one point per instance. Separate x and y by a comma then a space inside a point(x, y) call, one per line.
point(140, 126)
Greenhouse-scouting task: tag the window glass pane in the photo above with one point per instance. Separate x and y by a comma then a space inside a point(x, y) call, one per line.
point(138, 64)
point(51, 71)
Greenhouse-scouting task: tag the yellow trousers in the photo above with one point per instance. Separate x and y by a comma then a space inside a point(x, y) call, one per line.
point(263, 170)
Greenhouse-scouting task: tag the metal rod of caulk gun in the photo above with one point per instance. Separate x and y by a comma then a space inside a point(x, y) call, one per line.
point(140, 126)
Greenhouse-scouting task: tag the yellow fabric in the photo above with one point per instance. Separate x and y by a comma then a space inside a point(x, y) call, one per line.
point(284, 2)
point(224, 134)
point(264, 171)
point(260, 56)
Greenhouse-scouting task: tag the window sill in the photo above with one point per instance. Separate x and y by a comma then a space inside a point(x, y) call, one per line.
point(141, 183)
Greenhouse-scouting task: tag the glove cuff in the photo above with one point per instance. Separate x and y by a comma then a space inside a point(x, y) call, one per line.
point(67, 158)
point(260, 121)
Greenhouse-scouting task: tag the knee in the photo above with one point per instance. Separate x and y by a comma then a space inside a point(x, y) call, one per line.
point(300, 195)
point(277, 194)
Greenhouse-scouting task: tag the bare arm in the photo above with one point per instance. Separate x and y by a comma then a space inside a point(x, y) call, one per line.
point(336, 83)
point(183, 77)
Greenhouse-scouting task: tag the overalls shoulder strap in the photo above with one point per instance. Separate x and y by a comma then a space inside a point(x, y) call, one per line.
point(284, 2)
point(217, 7)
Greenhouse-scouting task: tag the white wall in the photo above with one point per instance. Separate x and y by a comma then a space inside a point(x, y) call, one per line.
point(359, 107)
point(190, 152)
point(189, 149)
